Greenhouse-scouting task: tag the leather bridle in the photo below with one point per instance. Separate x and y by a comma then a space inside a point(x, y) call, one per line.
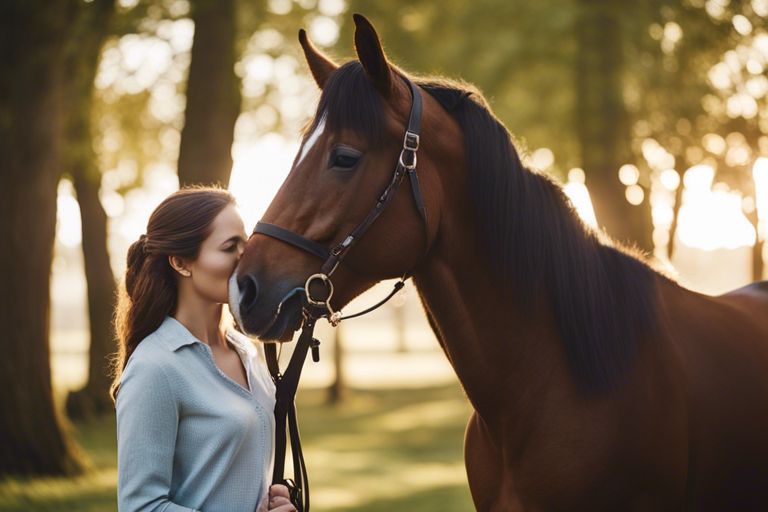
point(313, 309)
point(406, 165)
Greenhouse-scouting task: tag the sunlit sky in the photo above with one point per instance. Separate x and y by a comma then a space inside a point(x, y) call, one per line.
point(709, 218)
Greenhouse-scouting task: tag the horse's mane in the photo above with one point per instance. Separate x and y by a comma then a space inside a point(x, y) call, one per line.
point(603, 296)
point(350, 102)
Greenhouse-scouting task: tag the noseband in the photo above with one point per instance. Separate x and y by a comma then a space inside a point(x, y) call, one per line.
point(313, 309)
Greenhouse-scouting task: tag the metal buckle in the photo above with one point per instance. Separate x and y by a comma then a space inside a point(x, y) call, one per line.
point(411, 141)
point(410, 166)
point(343, 246)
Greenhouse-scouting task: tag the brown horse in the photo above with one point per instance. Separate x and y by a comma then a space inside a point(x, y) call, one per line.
point(597, 382)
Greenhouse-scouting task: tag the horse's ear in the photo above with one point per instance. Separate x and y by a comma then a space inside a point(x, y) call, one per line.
point(371, 54)
point(321, 66)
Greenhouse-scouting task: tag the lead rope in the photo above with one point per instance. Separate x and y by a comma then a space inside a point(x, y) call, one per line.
point(286, 386)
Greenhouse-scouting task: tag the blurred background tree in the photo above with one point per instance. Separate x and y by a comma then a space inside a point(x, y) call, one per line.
point(121, 101)
point(213, 96)
point(79, 164)
point(597, 84)
point(34, 38)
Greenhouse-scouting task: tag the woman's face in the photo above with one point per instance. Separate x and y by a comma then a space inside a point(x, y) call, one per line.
point(219, 254)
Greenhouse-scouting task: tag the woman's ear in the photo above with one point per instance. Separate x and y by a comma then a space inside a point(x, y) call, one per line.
point(371, 55)
point(179, 265)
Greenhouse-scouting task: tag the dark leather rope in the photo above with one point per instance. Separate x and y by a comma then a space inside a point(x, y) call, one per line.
point(285, 415)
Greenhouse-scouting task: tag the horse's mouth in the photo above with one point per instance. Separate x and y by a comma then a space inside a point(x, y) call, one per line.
point(286, 319)
point(283, 325)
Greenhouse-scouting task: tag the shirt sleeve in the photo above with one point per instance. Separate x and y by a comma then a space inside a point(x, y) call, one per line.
point(147, 423)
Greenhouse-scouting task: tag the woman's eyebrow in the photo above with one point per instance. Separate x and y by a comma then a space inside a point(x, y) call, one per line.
point(236, 238)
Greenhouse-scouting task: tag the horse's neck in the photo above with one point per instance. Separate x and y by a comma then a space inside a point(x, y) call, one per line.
point(502, 356)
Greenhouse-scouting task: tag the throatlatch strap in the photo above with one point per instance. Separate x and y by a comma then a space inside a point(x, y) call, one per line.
point(416, 191)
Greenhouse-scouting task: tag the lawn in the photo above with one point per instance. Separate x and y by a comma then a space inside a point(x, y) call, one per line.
point(378, 450)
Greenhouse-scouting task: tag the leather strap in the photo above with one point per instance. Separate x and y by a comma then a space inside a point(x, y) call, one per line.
point(414, 121)
point(285, 416)
point(270, 350)
point(416, 191)
point(292, 238)
point(396, 288)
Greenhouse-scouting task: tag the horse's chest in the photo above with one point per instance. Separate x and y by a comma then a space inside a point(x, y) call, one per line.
point(572, 466)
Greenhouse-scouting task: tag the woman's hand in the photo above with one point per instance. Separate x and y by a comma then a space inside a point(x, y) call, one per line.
point(278, 500)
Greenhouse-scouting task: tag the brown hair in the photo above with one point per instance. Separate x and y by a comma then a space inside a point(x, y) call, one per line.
point(177, 227)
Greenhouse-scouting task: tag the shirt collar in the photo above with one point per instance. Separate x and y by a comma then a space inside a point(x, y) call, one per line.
point(240, 341)
point(175, 335)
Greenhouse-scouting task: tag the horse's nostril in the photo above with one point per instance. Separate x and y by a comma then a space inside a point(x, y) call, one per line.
point(249, 290)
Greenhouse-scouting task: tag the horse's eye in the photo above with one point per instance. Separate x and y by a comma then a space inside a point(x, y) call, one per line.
point(343, 158)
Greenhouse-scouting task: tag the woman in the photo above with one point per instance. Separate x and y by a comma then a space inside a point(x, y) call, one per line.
point(194, 401)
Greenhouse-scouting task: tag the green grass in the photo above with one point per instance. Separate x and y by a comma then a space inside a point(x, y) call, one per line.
point(378, 450)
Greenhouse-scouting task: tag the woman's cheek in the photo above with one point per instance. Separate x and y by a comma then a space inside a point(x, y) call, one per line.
point(220, 264)
point(217, 266)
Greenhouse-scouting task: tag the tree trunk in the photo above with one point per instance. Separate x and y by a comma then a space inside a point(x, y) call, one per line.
point(93, 398)
point(336, 389)
point(398, 312)
point(603, 123)
point(213, 96)
point(758, 265)
point(675, 216)
point(80, 161)
point(33, 36)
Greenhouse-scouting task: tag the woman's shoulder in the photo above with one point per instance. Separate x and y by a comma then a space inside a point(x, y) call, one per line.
point(156, 351)
point(150, 347)
point(152, 369)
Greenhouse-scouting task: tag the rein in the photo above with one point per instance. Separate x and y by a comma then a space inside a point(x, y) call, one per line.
point(286, 384)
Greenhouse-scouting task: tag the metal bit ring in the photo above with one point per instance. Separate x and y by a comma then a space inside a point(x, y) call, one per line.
point(328, 284)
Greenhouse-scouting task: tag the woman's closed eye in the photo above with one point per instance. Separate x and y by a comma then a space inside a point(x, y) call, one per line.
point(343, 158)
point(232, 247)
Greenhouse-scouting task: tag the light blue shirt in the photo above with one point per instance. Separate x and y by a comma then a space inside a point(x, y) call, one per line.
point(189, 438)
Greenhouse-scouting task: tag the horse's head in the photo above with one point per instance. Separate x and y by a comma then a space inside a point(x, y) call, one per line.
point(347, 158)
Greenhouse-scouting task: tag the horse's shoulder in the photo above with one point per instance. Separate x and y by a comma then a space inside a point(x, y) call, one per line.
point(750, 301)
point(758, 290)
